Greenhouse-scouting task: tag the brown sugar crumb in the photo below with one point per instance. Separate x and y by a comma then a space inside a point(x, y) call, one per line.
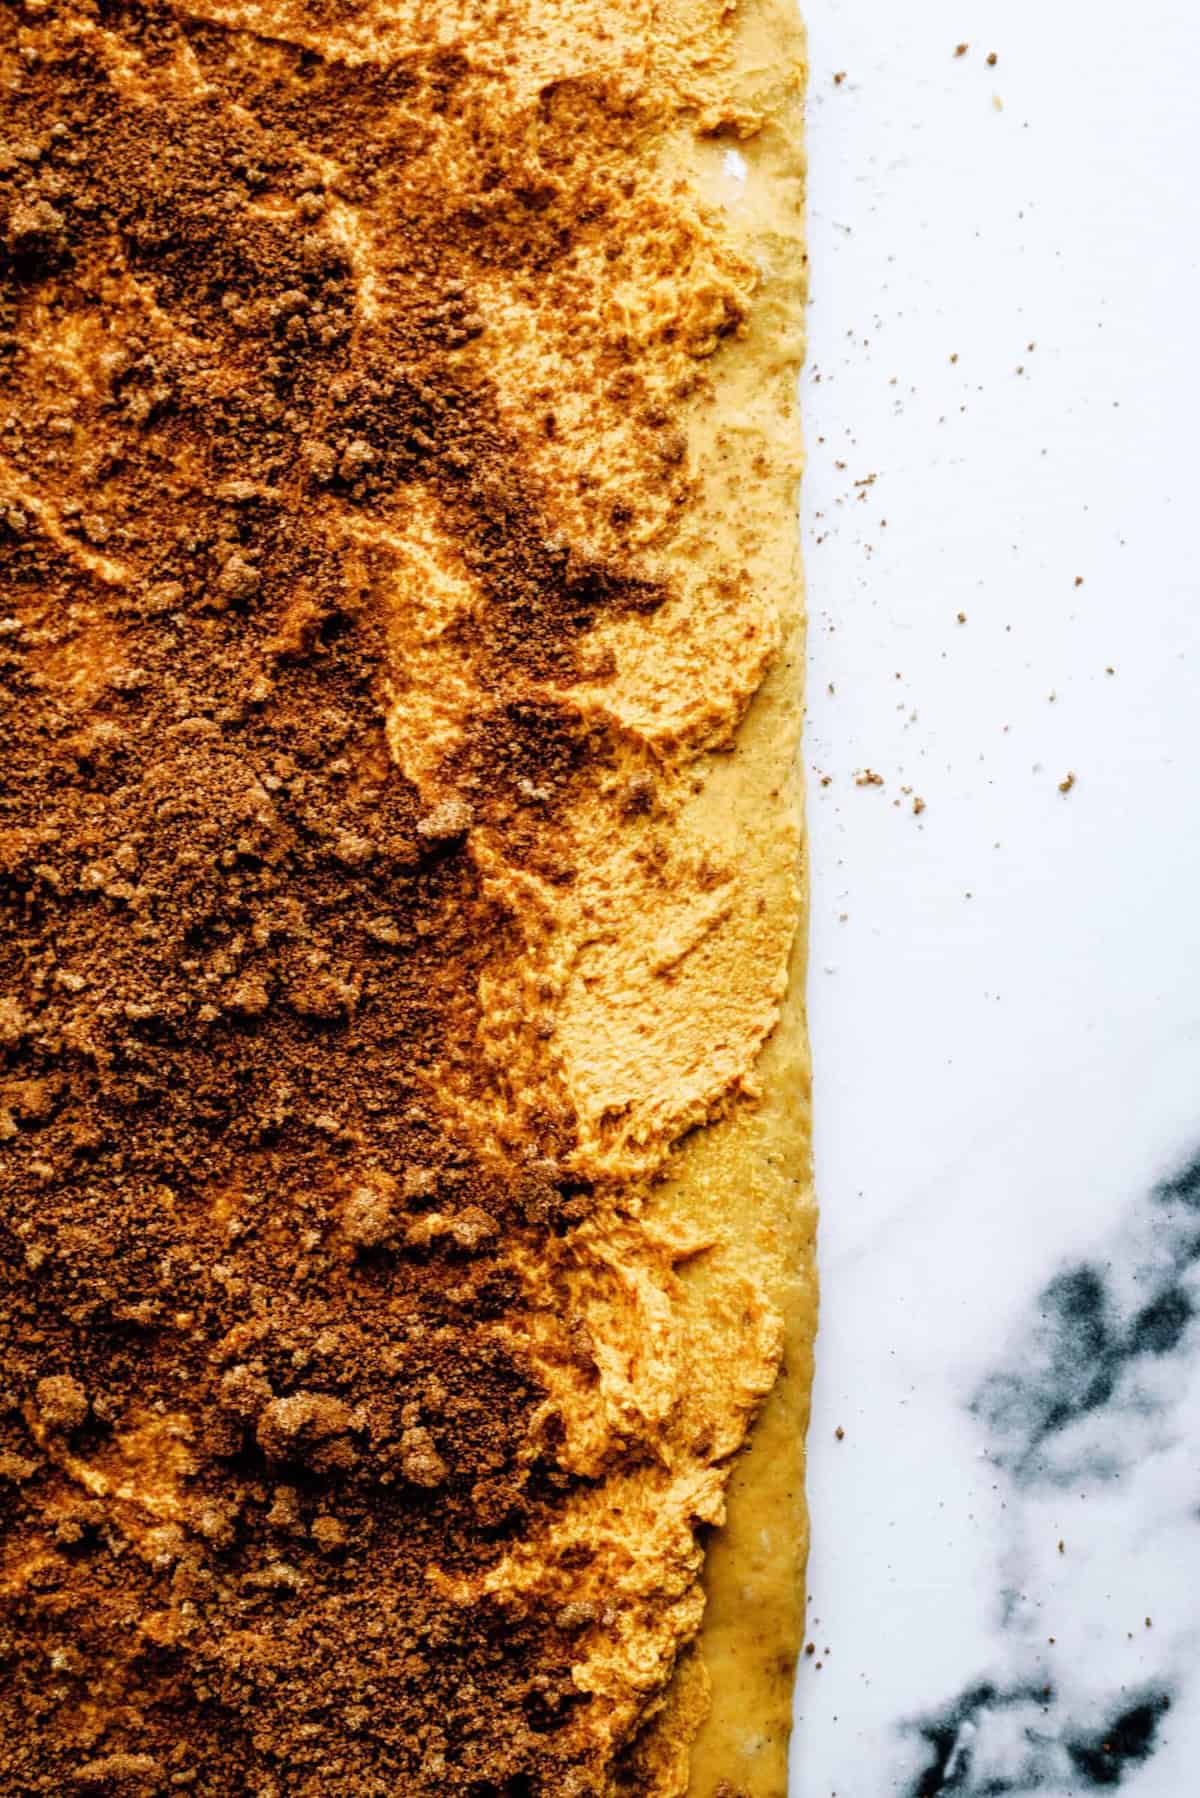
point(61, 1403)
point(867, 777)
point(329, 1535)
point(134, 1773)
point(450, 819)
point(1065, 785)
point(420, 1461)
point(992, 59)
point(307, 1428)
point(244, 1393)
point(961, 49)
point(368, 1219)
point(839, 1433)
point(918, 806)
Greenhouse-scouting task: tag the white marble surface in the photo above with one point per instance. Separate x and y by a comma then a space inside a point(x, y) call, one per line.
point(1005, 989)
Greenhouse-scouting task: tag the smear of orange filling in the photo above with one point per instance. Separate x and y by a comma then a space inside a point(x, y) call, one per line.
point(656, 995)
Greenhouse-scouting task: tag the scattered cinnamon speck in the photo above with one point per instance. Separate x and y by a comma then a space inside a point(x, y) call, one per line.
point(1064, 786)
point(991, 59)
point(1079, 580)
point(918, 807)
point(961, 49)
point(839, 78)
point(840, 1433)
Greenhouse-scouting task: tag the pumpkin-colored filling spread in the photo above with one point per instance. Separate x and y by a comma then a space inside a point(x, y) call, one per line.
point(404, 1189)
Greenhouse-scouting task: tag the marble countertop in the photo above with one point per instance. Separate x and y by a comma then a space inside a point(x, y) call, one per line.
point(1001, 529)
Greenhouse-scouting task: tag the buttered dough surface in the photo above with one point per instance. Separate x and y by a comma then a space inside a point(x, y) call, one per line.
point(405, 1095)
